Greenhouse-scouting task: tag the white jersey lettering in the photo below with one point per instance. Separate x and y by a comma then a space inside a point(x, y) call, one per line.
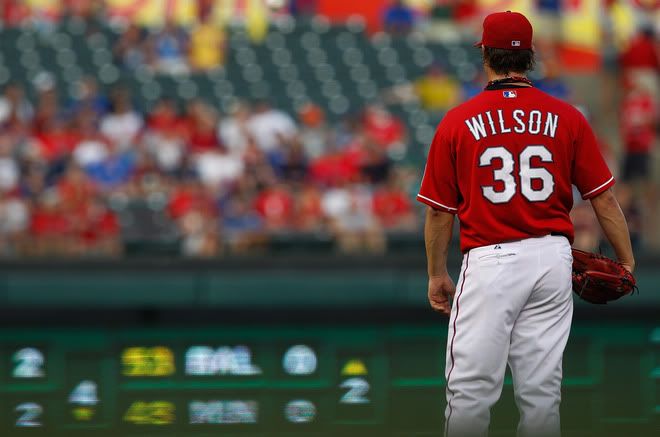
point(535, 122)
point(517, 115)
point(491, 123)
point(503, 129)
point(524, 123)
point(476, 126)
point(551, 125)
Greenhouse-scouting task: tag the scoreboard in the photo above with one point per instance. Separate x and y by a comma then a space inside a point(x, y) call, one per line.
point(220, 381)
point(311, 380)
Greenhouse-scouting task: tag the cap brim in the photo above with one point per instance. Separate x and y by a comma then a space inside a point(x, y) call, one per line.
point(478, 44)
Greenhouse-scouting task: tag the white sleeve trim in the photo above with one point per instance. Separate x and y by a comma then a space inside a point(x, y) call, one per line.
point(437, 203)
point(598, 187)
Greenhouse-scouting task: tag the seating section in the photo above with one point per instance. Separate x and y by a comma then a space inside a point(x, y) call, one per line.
point(339, 67)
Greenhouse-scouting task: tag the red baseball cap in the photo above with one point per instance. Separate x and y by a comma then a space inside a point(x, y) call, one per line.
point(506, 30)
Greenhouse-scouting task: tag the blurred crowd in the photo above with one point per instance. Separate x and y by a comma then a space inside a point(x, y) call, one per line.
point(225, 182)
point(72, 168)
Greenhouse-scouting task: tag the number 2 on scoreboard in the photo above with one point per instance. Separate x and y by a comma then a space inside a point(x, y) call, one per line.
point(29, 363)
point(357, 391)
point(29, 415)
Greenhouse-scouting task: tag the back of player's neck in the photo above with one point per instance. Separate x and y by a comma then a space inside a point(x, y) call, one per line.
point(493, 77)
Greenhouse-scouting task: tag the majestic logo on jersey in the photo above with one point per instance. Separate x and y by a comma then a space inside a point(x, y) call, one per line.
point(534, 123)
point(509, 94)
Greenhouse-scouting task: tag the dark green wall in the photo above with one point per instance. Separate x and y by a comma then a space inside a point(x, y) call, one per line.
point(277, 281)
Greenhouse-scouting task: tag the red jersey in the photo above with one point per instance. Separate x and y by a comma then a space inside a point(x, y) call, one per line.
point(638, 117)
point(505, 161)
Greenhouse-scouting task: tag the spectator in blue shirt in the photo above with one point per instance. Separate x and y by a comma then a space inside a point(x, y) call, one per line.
point(115, 170)
point(399, 18)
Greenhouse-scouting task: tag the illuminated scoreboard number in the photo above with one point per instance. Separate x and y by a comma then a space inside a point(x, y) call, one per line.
point(84, 402)
point(149, 411)
point(219, 361)
point(300, 411)
point(355, 392)
point(26, 363)
point(147, 361)
point(299, 360)
point(29, 415)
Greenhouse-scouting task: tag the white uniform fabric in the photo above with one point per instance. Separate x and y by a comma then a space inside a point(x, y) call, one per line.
point(513, 304)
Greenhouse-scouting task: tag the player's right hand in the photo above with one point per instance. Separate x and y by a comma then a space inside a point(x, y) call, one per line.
point(441, 292)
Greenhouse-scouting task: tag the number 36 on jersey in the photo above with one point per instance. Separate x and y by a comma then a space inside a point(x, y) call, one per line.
point(533, 192)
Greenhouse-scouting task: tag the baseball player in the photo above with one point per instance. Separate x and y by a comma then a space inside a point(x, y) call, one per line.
point(505, 162)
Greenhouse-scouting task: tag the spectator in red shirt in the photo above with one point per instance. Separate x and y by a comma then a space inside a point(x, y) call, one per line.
point(308, 212)
point(51, 228)
point(195, 214)
point(14, 12)
point(101, 232)
point(393, 208)
point(638, 129)
point(75, 189)
point(642, 52)
point(48, 110)
point(275, 205)
point(466, 10)
point(202, 127)
point(55, 141)
point(383, 128)
point(334, 168)
point(641, 61)
point(189, 196)
point(165, 137)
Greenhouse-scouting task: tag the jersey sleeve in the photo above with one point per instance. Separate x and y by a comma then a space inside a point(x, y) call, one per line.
point(439, 188)
point(590, 174)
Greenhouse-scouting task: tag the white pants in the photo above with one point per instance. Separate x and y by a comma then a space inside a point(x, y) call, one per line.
point(513, 304)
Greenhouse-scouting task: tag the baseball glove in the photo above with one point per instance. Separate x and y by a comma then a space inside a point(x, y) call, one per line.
point(598, 279)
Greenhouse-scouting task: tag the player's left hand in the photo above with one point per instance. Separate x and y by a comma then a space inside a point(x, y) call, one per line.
point(441, 290)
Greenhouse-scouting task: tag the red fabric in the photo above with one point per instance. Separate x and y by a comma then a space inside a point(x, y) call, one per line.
point(49, 223)
point(203, 141)
point(275, 206)
point(103, 226)
point(390, 206)
point(582, 59)
point(340, 11)
point(56, 143)
point(185, 200)
point(638, 115)
point(14, 12)
point(641, 53)
point(461, 170)
point(465, 10)
point(75, 194)
point(507, 30)
point(308, 209)
point(167, 123)
point(383, 131)
point(334, 169)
